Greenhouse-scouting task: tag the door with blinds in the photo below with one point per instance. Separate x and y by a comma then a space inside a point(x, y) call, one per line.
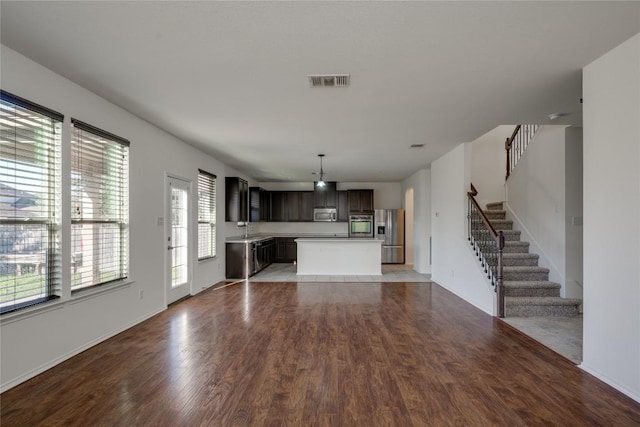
point(178, 259)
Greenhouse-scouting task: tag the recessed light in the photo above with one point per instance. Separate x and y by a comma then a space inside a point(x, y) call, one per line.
point(555, 116)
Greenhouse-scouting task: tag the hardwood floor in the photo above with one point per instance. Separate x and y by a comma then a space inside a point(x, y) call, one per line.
point(318, 354)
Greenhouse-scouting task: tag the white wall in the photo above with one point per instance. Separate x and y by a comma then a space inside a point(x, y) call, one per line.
point(409, 233)
point(573, 213)
point(454, 264)
point(536, 199)
point(420, 182)
point(611, 117)
point(488, 164)
point(33, 342)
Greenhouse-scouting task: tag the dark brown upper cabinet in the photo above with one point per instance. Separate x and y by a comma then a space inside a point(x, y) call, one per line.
point(259, 204)
point(343, 206)
point(360, 201)
point(291, 206)
point(325, 197)
point(236, 198)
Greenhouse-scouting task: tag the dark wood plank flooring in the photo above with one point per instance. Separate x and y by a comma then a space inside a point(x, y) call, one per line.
point(318, 354)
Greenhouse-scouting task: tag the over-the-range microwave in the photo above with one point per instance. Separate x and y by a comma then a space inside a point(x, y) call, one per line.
point(325, 214)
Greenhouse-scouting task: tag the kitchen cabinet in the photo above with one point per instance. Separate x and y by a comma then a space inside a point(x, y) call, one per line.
point(306, 206)
point(293, 203)
point(237, 266)
point(278, 206)
point(236, 199)
point(325, 197)
point(343, 206)
point(360, 201)
point(286, 249)
point(244, 259)
point(291, 206)
point(265, 253)
point(259, 204)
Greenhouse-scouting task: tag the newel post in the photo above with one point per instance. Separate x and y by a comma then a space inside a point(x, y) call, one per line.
point(507, 148)
point(500, 284)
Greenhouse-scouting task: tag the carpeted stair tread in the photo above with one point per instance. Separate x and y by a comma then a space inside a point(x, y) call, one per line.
point(509, 235)
point(495, 214)
point(516, 246)
point(495, 206)
point(557, 301)
point(531, 284)
point(519, 259)
point(531, 288)
point(526, 272)
point(525, 268)
point(502, 224)
point(541, 306)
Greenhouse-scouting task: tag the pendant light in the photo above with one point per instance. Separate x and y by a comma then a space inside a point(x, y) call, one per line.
point(321, 183)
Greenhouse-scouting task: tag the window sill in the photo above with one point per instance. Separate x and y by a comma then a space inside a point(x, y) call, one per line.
point(88, 293)
point(57, 304)
point(31, 311)
point(209, 258)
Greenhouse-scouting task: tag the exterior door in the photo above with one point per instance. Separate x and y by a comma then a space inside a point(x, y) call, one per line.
point(178, 260)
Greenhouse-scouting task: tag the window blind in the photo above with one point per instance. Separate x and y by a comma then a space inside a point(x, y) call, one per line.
point(206, 215)
point(29, 203)
point(99, 206)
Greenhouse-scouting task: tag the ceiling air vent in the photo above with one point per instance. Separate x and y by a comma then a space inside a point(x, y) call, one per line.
point(329, 80)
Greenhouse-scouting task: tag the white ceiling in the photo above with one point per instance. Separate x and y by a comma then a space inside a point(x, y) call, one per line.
point(231, 77)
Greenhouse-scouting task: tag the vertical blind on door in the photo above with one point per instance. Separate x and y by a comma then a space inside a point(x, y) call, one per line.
point(206, 215)
point(29, 203)
point(99, 206)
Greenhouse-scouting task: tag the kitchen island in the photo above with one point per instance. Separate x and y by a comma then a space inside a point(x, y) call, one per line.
point(339, 256)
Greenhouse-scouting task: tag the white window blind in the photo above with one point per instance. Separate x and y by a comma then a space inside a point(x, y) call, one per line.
point(99, 206)
point(206, 215)
point(29, 203)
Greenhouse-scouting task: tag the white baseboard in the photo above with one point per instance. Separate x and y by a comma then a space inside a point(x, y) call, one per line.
point(40, 369)
point(599, 375)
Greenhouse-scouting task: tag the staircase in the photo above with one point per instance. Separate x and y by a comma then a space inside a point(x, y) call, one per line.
point(528, 291)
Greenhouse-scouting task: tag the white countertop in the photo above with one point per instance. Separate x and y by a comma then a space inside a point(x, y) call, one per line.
point(259, 237)
point(339, 240)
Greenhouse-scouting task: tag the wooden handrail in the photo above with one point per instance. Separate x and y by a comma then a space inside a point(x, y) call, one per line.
point(509, 141)
point(473, 191)
point(498, 237)
point(494, 233)
point(516, 145)
point(507, 146)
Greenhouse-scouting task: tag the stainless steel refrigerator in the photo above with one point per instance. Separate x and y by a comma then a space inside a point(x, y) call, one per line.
point(389, 226)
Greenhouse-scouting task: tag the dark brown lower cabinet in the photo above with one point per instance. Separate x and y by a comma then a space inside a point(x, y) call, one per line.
point(286, 249)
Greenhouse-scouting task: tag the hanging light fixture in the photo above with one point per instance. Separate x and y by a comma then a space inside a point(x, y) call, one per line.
point(321, 182)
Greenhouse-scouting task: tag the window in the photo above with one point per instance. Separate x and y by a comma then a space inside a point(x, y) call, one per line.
point(29, 203)
point(99, 206)
point(206, 215)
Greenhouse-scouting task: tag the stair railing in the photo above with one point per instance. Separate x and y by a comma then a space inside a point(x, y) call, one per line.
point(488, 245)
point(517, 143)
